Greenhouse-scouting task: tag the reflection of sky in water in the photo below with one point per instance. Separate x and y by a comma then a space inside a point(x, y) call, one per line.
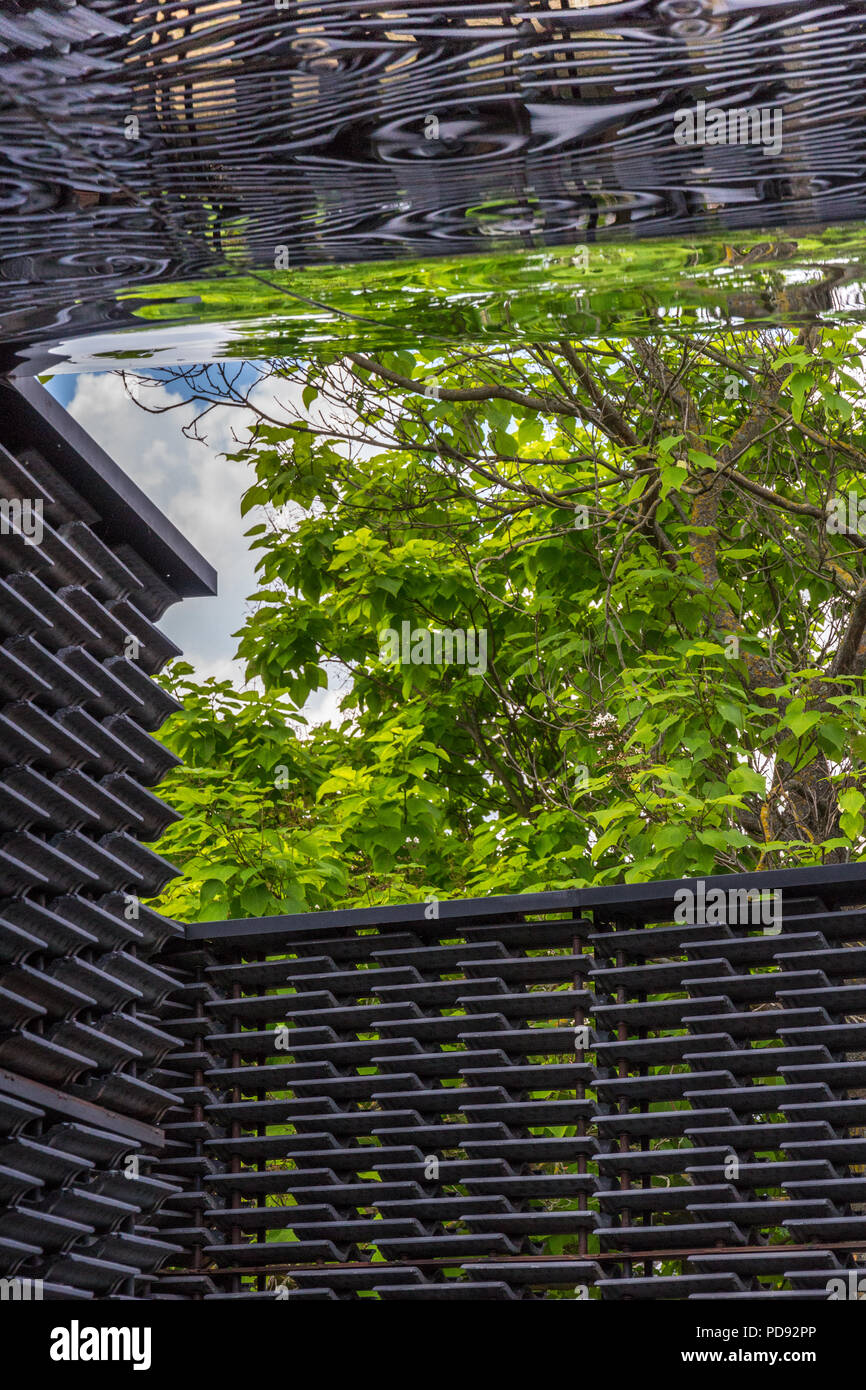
point(176, 343)
point(515, 297)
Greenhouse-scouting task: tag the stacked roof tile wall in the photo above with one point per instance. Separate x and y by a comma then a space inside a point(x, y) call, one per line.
point(86, 570)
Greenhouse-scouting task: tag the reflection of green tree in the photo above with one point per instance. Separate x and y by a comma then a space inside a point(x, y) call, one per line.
point(538, 294)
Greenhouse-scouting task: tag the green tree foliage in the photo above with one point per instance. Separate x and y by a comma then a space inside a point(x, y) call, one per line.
point(657, 538)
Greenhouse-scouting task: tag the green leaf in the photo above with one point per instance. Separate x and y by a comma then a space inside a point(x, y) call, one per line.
point(745, 780)
point(801, 721)
point(732, 713)
point(799, 383)
point(851, 803)
point(672, 477)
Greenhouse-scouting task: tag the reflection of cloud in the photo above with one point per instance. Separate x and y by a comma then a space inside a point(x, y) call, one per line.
point(200, 492)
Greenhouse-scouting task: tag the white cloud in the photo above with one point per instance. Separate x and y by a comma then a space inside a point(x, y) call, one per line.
point(200, 492)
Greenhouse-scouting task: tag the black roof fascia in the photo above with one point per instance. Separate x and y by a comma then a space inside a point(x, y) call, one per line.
point(835, 884)
point(462, 910)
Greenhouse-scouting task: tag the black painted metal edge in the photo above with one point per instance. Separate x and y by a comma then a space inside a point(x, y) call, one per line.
point(464, 910)
point(836, 884)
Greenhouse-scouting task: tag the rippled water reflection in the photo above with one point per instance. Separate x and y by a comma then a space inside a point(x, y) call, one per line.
point(154, 161)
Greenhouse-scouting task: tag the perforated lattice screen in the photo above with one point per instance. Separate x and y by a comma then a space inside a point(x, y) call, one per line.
point(523, 1100)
